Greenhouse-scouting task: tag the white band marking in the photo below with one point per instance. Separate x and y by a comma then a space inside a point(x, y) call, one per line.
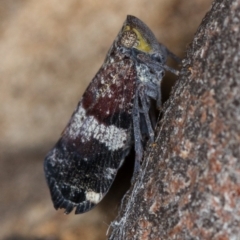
point(88, 127)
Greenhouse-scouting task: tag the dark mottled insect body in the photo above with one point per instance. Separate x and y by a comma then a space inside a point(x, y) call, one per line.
point(112, 116)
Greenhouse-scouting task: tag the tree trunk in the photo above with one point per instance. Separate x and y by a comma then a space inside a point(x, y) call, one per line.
point(189, 183)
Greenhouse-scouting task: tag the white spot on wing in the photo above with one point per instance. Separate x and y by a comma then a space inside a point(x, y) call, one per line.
point(88, 127)
point(110, 173)
point(93, 197)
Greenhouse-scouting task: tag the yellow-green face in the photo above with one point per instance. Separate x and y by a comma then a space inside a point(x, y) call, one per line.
point(132, 38)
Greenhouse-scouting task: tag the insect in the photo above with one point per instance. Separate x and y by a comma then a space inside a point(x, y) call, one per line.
point(112, 116)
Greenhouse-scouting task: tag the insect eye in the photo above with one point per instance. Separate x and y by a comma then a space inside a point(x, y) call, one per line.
point(128, 39)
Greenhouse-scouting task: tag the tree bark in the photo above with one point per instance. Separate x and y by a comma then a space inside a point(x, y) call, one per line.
point(189, 184)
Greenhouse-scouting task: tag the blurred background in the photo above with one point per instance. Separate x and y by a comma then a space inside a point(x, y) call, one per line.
point(50, 51)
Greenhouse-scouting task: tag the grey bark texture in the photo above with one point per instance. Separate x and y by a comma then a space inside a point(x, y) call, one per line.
point(189, 184)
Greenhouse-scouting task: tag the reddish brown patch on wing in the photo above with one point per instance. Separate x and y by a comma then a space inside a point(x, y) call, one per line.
point(111, 91)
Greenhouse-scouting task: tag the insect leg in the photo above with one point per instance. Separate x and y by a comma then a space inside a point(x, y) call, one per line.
point(169, 69)
point(137, 133)
point(154, 91)
point(151, 90)
point(159, 97)
point(145, 110)
point(173, 56)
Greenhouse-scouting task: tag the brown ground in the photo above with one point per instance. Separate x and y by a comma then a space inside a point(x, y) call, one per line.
point(50, 52)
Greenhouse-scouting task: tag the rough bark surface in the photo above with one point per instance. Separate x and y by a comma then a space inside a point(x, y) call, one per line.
point(189, 184)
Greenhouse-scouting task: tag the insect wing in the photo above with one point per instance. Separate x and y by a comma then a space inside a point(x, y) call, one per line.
point(83, 164)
